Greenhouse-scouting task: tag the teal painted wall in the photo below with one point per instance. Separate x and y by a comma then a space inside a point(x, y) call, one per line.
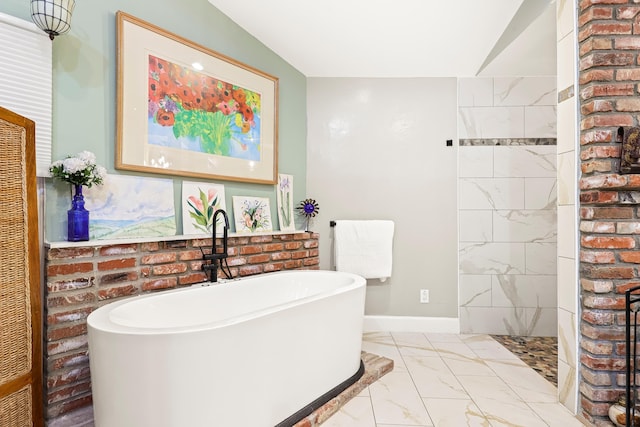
point(84, 91)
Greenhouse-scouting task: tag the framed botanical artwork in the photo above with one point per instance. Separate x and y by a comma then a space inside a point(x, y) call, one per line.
point(186, 110)
point(200, 201)
point(252, 214)
point(284, 196)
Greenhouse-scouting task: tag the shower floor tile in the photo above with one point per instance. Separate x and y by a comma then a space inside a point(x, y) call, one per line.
point(540, 353)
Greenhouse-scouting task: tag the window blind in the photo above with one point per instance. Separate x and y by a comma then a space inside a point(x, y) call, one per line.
point(26, 80)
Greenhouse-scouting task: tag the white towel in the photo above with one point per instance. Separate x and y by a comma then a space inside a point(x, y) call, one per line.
point(364, 248)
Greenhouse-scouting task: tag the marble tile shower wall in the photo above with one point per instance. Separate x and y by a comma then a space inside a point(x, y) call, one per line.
point(507, 205)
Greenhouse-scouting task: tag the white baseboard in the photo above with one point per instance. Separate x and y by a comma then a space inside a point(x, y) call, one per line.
point(445, 325)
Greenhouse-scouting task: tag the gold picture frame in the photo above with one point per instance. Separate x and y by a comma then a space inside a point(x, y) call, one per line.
point(186, 110)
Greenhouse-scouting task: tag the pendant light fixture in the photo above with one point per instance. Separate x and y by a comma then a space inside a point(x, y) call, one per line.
point(52, 16)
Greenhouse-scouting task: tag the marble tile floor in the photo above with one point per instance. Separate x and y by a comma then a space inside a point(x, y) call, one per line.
point(446, 380)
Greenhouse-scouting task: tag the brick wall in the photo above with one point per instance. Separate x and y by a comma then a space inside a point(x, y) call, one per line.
point(81, 278)
point(609, 78)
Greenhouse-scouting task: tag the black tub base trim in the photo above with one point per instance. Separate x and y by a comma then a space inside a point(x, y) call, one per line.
point(308, 410)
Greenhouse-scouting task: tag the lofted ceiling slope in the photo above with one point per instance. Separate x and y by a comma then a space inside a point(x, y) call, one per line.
point(404, 38)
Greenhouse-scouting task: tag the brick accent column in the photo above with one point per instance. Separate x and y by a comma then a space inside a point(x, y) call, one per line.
point(609, 74)
point(80, 279)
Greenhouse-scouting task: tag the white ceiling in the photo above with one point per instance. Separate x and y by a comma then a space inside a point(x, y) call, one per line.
point(404, 38)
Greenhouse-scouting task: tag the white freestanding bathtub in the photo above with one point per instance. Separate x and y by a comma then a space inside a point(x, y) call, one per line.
point(248, 353)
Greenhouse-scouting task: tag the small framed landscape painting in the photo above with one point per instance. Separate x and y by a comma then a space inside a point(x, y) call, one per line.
point(131, 206)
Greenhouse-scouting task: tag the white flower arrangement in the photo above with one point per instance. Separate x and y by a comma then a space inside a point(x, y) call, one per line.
point(80, 169)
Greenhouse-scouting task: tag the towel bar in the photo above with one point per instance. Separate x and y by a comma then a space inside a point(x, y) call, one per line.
point(332, 223)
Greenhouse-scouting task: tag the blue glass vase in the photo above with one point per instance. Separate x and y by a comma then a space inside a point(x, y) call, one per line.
point(77, 218)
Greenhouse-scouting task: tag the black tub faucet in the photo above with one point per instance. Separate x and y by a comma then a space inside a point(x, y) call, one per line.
point(216, 256)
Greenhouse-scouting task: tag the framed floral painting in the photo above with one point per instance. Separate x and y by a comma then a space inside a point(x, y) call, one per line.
point(252, 214)
point(200, 201)
point(186, 110)
point(284, 198)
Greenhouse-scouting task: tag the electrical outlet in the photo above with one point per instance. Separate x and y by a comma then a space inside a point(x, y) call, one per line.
point(424, 296)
